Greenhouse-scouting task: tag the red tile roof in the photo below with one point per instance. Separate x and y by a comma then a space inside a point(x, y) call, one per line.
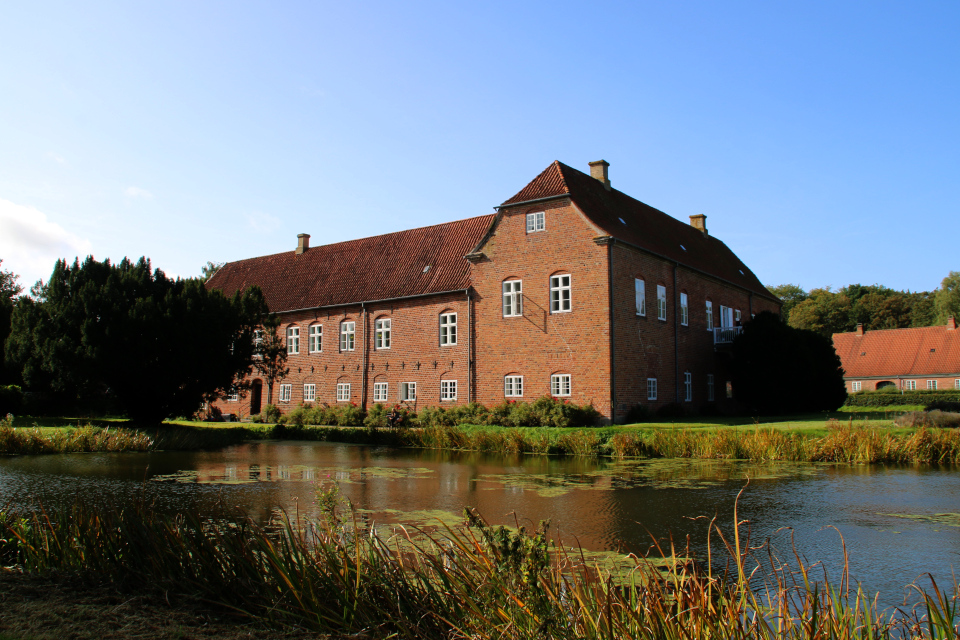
point(639, 224)
point(377, 268)
point(921, 351)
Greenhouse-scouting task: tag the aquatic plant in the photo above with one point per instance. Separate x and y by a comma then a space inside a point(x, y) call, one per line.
point(474, 581)
point(83, 439)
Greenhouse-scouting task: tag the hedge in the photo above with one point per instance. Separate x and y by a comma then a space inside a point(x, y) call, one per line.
point(890, 398)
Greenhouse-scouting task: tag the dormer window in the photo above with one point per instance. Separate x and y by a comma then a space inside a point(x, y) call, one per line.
point(536, 222)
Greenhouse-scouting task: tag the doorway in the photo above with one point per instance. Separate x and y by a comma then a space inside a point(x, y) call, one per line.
point(256, 392)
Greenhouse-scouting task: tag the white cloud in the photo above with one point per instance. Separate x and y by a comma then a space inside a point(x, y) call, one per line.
point(137, 192)
point(56, 158)
point(30, 244)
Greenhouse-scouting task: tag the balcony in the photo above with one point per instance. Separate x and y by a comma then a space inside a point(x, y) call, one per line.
point(725, 335)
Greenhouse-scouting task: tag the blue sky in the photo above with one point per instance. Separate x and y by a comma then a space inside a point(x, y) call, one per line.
point(821, 139)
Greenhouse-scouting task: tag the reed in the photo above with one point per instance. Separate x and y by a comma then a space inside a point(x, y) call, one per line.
point(475, 582)
point(82, 439)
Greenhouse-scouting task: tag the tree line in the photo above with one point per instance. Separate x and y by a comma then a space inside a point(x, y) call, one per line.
point(875, 306)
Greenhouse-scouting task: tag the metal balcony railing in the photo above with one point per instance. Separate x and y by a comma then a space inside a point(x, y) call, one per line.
point(725, 335)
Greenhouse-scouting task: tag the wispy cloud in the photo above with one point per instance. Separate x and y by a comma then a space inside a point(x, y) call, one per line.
point(263, 222)
point(56, 157)
point(30, 243)
point(137, 192)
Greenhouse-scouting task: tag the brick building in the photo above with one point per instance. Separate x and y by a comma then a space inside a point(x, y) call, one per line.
point(572, 289)
point(916, 358)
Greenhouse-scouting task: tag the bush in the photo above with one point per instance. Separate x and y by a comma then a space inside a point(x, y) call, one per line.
point(349, 415)
point(270, 414)
point(637, 413)
point(376, 417)
point(943, 405)
point(884, 398)
point(11, 399)
point(935, 418)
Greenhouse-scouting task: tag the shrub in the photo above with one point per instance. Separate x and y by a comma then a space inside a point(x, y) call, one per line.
point(934, 418)
point(376, 417)
point(885, 398)
point(11, 399)
point(270, 414)
point(349, 415)
point(943, 405)
point(637, 413)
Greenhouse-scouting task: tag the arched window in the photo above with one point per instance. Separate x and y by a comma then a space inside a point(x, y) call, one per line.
point(382, 333)
point(448, 328)
point(348, 335)
point(560, 385)
point(513, 386)
point(293, 339)
point(560, 301)
point(315, 340)
point(512, 298)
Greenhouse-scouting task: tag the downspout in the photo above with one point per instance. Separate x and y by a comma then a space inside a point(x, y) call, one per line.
point(366, 341)
point(469, 347)
point(613, 360)
point(676, 332)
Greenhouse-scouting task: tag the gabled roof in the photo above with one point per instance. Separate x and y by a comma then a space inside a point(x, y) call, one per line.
point(377, 268)
point(921, 351)
point(639, 224)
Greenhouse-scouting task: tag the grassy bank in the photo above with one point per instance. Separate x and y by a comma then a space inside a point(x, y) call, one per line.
point(473, 582)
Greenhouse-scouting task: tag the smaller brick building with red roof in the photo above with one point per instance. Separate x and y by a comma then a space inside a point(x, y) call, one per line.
point(916, 358)
point(572, 289)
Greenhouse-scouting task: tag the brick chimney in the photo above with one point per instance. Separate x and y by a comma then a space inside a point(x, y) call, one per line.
point(951, 323)
point(598, 169)
point(303, 242)
point(699, 221)
point(859, 328)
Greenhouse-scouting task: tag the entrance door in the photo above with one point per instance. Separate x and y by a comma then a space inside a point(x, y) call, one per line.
point(256, 391)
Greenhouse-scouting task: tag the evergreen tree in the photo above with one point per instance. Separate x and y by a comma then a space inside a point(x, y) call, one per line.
point(9, 290)
point(153, 345)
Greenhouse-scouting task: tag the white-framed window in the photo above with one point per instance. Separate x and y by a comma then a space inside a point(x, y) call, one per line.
point(309, 392)
point(709, 316)
point(513, 386)
point(315, 339)
point(910, 385)
point(343, 392)
point(688, 387)
point(956, 383)
point(448, 329)
point(408, 391)
point(711, 393)
point(512, 298)
point(233, 395)
point(560, 293)
point(651, 388)
point(684, 310)
point(856, 385)
point(536, 221)
point(736, 316)
point(448, 390)
point(661, 302)
point(640, 290)
point(293, 339)
point(348, 336)
point(560, 384)
point(286, 390)
point(932, 385)
point(381, 336)
point(380, 391)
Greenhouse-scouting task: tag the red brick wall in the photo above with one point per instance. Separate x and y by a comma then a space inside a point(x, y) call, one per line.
point(415, 354)
point(943, 382)
point(645, 344)
point(541, 343)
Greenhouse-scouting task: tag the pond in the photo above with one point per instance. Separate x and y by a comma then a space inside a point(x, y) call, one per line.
point(898, 522)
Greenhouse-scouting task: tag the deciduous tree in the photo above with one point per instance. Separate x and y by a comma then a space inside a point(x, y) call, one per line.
point(270, 358)
point(948, 298)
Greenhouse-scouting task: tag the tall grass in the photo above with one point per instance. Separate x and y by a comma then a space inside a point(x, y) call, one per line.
point(842, 443)
point(477, 582)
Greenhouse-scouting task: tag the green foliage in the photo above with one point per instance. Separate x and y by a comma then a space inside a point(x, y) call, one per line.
point(270, 414)
point(270, 354)
point(779, 369)
point(11, 399)
point(207, 270)
point(948, 298)
point(930, 419)
point(85, 439)
point(546, 411)
point(157, 346)
point(9, 290)
point(376, 417)
point(791, 295)
point(891, 396)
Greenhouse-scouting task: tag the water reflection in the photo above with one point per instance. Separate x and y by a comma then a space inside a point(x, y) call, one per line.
point(898, 522)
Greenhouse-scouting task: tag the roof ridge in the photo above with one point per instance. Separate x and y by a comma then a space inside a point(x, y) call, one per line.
point(866, 331)
point(379, 235)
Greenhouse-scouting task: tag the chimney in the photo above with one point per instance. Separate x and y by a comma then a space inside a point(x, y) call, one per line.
point(699, 221)
point(859, 328)
point(303, 242)
point(951, 323)
point(598, 170)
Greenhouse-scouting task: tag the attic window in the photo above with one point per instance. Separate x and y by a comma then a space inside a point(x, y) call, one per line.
point(426, 268)
point(622, 220)
point(932, 350)
point(683, 247)
point(742, 273)
point(863, 353)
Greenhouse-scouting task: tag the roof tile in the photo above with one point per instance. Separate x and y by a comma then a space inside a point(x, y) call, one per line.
point(919, 351)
